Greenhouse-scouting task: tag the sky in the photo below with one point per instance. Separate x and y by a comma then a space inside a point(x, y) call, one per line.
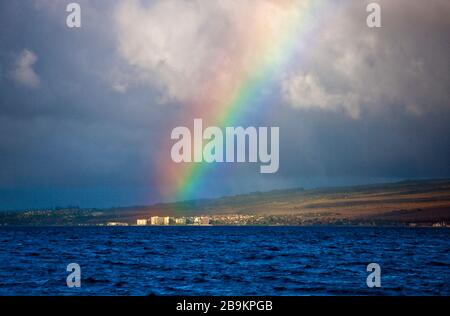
point(86, 113)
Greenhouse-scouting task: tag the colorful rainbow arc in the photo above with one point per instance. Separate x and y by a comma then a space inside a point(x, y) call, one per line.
point(275, 44)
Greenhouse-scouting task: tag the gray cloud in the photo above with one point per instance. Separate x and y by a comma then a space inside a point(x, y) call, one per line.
point(355, 68)
point(23, 71)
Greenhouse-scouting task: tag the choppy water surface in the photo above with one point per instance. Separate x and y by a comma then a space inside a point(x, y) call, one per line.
point(224, 260)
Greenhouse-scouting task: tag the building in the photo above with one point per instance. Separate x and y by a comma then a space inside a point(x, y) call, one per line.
point(200, 220)
point(116, 224)
point(196, 220)
point(159, 220)
point(141, 222)
point(154, 220)
point(180, 221)
point(204, 220)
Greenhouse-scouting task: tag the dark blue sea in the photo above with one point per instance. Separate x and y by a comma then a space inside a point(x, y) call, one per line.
point(224, 260)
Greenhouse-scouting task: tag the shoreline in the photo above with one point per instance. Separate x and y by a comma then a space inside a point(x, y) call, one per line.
point(171, 226)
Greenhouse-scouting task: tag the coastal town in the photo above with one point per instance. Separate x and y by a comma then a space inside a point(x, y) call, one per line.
point(92, 217)
point(410, 203)
point(258, 220)
point(166, 221)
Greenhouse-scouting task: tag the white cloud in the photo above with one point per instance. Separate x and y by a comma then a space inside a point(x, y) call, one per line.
point(167, 42)
point(305, 91)
point(23, 71)
point(120, 87)
point(352, 67)
point(182, 46)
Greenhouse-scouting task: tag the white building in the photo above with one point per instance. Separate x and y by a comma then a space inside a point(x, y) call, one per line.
point(202, 220)
point(116, 224)
point(154, 220)
point(159, 220)
point(141, 222)
point(180, 221)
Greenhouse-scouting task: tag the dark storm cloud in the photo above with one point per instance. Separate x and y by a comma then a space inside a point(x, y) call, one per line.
point(73, 130)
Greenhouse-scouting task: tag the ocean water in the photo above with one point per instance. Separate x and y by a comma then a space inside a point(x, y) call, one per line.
point(224, 260)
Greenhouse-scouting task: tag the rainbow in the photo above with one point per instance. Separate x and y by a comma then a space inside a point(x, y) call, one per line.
point(266, 50)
